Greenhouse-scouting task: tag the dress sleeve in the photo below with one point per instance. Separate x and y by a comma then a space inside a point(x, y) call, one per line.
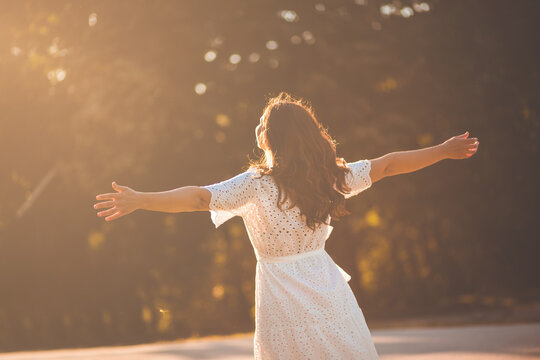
point(231, 197)
point(359, 179)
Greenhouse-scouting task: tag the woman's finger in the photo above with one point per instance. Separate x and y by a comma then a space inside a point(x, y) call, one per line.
point(107, 212)
point(107, 196)
point(464, 135)
point(104, 204)
point(114, 216)
point(118, 187)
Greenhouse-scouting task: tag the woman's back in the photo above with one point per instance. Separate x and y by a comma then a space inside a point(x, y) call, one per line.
point(304, 307)
point(275, 232)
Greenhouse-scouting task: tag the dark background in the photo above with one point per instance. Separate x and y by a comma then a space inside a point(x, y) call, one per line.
point(86, 102)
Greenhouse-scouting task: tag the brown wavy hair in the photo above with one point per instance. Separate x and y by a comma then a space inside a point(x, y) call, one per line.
point(305, 166)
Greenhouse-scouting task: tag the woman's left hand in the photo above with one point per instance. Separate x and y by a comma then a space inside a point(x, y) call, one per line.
point(121, 203)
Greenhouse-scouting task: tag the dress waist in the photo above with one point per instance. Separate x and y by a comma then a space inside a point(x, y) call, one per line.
point(280, 259)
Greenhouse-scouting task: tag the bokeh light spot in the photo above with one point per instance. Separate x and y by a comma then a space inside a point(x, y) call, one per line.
point(200, 88)
point(320, 7)
point(220, 137)
point(146, 314)
point(372, 218)
point(406, 12)
point(308, 37)
point(254, 57)
point(210, 56)
point(289, 15)
point(271, 45)
point(92, 19)
point(223, 120)
point(95, 239)
point(387, 9)
point(218, 292)
point(421, 7)
point(216, 42)
point(16, 51)
point(273, 63)
point(235, 59)
point(296, 40)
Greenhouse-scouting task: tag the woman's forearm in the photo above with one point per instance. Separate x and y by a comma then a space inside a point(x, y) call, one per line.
point(183, 199)
point(401, 162)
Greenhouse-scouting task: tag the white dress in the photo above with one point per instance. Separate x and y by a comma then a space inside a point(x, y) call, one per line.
point(304, 306)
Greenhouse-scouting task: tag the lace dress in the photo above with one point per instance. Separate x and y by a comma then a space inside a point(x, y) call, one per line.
point(304, 306)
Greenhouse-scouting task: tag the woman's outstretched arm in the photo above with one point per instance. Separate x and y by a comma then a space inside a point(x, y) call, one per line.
point(127, 200)
point(457, 147)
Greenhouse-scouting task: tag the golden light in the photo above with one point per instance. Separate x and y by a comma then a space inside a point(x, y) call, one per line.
point(165, 320)
point(387, 85)
point(223, 120)
point(424, 139)
point(218, 292)
point(95, 239)
point(146, 314)
point(372, 218)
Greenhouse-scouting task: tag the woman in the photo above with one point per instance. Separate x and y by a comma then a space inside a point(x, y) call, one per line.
point(304, 306)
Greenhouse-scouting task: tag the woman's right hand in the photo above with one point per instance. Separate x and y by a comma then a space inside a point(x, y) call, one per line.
point(460, 146)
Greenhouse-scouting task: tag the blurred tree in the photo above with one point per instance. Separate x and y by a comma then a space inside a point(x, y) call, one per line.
point(162, 94)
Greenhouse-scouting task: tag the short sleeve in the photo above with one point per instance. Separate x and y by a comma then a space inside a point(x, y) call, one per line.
point(231, 197)
point(359, 179)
